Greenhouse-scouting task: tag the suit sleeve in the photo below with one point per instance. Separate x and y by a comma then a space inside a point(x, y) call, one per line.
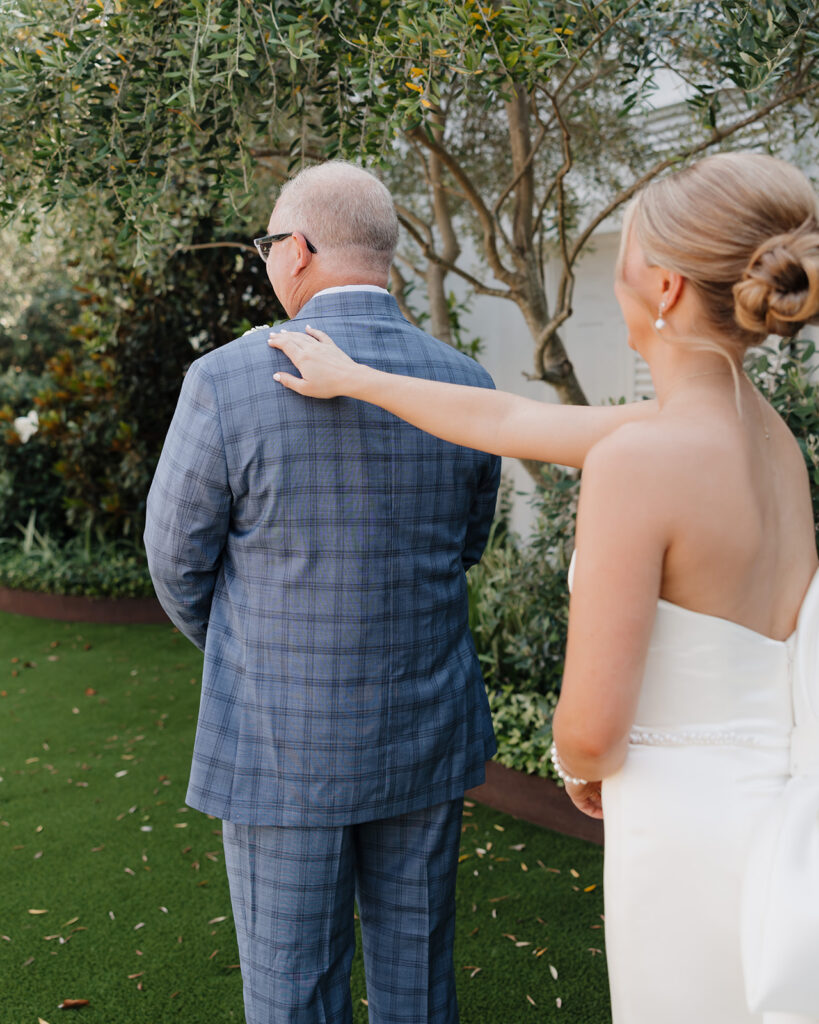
point(189, 506)
point(482, 513)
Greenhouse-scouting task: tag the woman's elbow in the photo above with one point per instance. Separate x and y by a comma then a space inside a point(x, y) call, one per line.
point(592, 750)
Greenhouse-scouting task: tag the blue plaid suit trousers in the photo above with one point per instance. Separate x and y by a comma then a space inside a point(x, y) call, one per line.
point(292, 891)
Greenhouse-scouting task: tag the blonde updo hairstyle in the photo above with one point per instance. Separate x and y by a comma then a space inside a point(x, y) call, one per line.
point(742, 229)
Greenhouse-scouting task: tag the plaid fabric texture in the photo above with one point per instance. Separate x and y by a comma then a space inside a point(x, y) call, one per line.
point(315, 550)
point(292, 891)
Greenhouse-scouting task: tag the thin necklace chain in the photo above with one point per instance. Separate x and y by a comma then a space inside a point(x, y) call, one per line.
point(693, 376)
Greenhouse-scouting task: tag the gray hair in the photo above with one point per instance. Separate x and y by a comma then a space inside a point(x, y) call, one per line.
point(340, 206)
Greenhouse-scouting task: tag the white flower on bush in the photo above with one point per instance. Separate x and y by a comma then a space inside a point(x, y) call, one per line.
point(26, 426)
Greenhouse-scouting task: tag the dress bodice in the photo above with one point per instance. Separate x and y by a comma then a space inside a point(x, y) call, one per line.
point(707, 673)
point(702, 671)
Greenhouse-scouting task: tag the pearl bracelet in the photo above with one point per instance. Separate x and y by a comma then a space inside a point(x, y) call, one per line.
point(561, 771)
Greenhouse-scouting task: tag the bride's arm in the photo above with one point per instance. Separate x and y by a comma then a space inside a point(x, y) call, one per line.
point(626, 521)
point(491, 421)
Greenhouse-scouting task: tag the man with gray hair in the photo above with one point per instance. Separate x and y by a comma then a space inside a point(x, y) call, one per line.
point(316, 552)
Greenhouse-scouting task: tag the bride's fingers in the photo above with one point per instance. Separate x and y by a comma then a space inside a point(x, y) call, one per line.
point(321, 336)
point(291, 382)
point(286, 341)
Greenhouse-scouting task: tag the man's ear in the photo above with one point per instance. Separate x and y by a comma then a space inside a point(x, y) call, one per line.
point(303, 258)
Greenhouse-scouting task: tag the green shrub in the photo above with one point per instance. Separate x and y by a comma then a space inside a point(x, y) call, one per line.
point(523, 727)
point(107, 392)
point(519, 609)
point(787, 376)
point(519, 594)
point(85, 565)
point(28, 483)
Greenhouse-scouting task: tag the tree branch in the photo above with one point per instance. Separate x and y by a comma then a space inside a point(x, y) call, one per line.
point(716, 136)
point(472, 195)
point(578, 60)
point(214, 245)
point(430, 254)
point(405, 214)
point(566, 288)
point(399, 292)
point(544, 127)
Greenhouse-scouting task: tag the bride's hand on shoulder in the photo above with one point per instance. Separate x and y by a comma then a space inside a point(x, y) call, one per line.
point(325, 370)
point(586, 797)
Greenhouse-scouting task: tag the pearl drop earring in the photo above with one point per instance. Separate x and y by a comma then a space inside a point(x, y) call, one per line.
point(659, 323)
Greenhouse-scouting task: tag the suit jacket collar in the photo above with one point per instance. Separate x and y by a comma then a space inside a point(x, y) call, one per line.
point(350, 303)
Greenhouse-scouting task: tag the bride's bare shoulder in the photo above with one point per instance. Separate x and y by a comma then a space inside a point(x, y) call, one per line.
point(662, 461)
point(645, 442)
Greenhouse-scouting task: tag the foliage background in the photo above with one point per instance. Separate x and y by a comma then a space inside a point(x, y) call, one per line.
point(141, 145)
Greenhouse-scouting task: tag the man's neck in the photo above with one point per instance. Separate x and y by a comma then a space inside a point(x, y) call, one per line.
point(304, 295)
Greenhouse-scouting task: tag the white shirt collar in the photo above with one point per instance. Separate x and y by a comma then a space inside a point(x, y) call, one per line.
point(351, 288)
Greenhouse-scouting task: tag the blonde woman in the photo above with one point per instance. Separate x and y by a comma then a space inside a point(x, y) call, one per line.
point(695, 551)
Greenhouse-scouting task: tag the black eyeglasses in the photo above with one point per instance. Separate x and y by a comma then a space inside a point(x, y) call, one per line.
point(263, 244)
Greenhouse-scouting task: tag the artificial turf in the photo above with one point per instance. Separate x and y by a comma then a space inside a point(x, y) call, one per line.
point(113, 891)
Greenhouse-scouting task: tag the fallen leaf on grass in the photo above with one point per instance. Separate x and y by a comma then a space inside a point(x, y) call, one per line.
point(590, 888)
point(523, 866)
point(499, 828)
point(38, 911)
point(531, 1000)
point(72, 1004)
point(573, 873)
point(217, 920)
point(553, 971)
point(133, 977)
point(522, 943)
point(213, 954)
point(558, 1002)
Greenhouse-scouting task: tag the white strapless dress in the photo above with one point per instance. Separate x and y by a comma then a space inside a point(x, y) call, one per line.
point(710, 750)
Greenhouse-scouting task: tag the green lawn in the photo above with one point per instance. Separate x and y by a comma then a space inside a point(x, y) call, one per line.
point(113, 891)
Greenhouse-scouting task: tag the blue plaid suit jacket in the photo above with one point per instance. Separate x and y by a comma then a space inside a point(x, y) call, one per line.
point(315, 550)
